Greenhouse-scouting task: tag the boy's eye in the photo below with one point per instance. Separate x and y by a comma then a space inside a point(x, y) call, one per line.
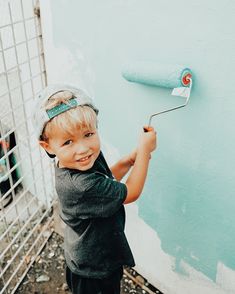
point(89, 134)
point(68, 142)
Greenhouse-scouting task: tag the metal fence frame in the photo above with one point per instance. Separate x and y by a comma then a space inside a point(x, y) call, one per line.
point(26, 223)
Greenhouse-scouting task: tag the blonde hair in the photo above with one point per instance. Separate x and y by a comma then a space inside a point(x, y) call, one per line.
point(82, 116)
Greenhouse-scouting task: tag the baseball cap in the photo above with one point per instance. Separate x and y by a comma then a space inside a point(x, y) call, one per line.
point(41, 116)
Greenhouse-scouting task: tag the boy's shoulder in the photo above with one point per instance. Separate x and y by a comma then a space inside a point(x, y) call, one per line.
point(71, 179)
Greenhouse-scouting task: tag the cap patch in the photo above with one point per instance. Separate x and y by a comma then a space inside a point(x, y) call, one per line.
point(58, 109)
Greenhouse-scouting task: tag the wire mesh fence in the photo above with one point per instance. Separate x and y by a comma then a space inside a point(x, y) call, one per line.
point(26, 174)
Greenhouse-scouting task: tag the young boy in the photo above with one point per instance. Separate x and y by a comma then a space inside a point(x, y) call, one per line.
point(91, 196)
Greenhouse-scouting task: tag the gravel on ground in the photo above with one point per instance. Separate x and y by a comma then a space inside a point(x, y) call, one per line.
point(47, 275)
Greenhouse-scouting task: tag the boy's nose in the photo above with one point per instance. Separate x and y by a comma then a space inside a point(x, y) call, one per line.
point(81, 148)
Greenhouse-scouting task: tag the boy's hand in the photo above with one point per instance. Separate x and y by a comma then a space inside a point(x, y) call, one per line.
point(148, 140)
point(132, 157)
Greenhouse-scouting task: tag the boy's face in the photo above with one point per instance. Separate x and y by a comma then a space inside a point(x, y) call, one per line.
point(76, 151)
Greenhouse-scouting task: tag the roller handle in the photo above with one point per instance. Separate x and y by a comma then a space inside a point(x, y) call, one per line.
point(148, 129)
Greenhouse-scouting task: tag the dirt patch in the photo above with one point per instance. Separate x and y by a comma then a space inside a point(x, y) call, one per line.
point(47, 275)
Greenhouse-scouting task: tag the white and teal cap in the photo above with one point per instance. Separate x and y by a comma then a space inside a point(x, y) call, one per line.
point(41, 116)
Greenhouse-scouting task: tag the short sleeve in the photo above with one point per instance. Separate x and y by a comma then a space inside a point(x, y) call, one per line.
point(99, 195)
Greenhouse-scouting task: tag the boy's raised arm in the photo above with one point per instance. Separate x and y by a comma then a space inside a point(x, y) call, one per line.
point(136, 179)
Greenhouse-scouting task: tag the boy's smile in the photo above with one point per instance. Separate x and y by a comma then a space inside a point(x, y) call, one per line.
point(78, 150)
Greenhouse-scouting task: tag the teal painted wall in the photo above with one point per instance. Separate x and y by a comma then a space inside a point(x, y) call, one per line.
point(189, 197)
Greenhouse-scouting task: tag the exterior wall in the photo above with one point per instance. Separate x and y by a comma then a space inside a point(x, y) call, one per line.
point(182, 228)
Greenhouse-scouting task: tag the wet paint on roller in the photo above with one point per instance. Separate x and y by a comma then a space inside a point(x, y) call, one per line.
point(155, 73)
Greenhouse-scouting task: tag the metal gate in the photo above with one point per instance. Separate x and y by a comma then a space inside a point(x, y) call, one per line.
point(26, 174)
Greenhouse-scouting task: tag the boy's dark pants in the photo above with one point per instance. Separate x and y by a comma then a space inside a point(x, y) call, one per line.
point(81, 285)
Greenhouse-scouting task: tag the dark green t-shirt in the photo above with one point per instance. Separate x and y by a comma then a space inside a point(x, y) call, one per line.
point(91, 205)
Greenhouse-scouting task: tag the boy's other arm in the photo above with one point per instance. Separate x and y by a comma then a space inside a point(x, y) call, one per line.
point(120, 169)
point(136, 179)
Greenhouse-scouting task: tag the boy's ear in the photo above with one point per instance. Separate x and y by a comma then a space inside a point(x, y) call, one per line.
point(46, 146)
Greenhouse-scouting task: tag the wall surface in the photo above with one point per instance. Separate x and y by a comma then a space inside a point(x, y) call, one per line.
point(182, 228)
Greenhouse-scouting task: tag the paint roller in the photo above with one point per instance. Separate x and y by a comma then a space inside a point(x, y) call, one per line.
point(161, 75)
